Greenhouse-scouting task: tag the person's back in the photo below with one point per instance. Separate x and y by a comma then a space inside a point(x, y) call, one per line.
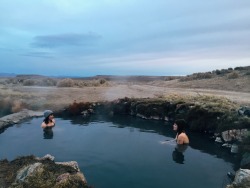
point(179, 127)
point(182, 138)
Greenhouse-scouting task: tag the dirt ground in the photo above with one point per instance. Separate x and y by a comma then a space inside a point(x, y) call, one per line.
point(54, 97)
point(144, 91)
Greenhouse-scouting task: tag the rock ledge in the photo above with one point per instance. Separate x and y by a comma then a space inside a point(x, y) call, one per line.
point(18, 117)
point(31, 171)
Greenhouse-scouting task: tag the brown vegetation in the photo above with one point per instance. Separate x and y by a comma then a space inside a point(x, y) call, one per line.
point(227, 73)
point(39, 92)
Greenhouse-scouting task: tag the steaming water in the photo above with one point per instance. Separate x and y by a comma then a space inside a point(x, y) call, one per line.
point(122, 152)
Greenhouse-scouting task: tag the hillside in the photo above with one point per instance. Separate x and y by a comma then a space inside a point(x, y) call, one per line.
point(40, 92)
point(237, 79)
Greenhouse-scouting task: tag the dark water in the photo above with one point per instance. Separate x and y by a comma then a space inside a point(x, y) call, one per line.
point(122, 152)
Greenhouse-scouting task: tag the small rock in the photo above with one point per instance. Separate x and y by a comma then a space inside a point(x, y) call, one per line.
point(47, 156)
point(218, 140)
point(73, 164)
point(234, 148)
point(226, 145)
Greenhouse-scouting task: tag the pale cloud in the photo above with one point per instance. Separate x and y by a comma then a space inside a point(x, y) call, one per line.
point(126, 37)
point(68, 39)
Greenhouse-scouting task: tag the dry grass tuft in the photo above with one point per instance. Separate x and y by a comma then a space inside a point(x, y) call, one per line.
point(233, 75)
point(205, 101)
point(82, 83)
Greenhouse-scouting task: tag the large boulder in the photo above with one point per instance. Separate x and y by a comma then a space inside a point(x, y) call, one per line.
point(32, 172)
point(241, 180)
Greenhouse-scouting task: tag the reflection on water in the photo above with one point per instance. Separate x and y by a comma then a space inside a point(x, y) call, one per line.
point(48, 133)
point(122, 152)
point(178, 153)
point(178, 157)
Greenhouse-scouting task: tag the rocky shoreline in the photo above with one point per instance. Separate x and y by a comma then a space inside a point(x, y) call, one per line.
point(15, 118)
point(31, 171)
point(221, 118)
point(226, 121)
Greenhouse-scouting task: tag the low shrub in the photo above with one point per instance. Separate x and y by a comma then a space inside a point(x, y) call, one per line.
point(197, 76)
point(9, 106)
point(82, 83)
point(241, 68)
point(102, 81)
point(48, 82)
point(168, 78)
point(217, 72)
point(233, 75)
point(29, 82)
point(67, 82)
point(225, 71)
point(12, 81)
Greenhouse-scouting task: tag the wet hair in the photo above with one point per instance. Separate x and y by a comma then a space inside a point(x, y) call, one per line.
point(181, 124)
point(46, 120)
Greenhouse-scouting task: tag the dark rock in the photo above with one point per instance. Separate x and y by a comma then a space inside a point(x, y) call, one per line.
point(245, 161)
point(31, 172)
point(241, 180)
point(245, 110)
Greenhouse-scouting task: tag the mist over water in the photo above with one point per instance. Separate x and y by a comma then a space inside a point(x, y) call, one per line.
point(122, 151)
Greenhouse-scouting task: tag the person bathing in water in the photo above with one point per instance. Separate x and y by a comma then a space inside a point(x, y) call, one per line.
point(49, 120)
point(181, 136)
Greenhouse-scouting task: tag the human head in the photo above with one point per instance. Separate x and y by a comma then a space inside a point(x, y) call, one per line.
point(47, 113)
point(181, 124)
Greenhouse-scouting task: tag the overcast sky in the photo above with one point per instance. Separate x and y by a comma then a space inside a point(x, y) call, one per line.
point(123, 37)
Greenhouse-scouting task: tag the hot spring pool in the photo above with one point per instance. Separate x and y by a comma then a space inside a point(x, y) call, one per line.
point(122, 152)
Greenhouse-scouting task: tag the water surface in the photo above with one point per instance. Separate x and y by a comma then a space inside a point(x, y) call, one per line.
point(122, 152)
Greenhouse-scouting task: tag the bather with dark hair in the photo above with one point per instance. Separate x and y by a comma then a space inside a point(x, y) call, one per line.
point(181, 136)
point(49, 120)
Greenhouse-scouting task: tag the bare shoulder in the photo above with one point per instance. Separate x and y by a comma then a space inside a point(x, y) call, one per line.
point(183, 139)
point(43, 125)
point(182, 135)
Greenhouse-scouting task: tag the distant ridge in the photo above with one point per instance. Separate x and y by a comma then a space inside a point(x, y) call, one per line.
point(219, 72)
point(7, 74)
